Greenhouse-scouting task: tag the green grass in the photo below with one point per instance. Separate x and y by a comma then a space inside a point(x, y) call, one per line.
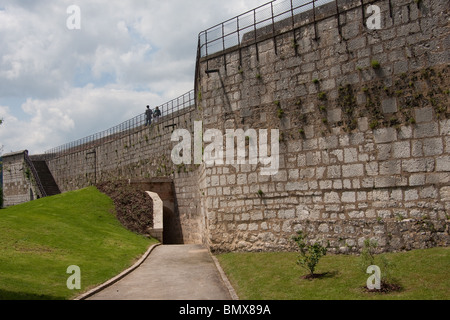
point(423, 275)
point(39, 240)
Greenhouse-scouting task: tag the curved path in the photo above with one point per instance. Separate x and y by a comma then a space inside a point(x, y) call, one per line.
point(177, 272)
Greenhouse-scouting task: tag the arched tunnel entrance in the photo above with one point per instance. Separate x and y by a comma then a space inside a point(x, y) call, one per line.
point(172, 233)
point(169, 229)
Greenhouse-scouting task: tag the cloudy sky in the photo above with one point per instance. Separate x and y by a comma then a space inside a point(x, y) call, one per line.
point(59, 85)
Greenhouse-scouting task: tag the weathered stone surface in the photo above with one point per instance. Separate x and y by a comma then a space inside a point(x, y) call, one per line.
point(342, 176)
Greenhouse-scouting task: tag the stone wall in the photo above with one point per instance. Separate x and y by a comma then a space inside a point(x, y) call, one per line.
point(363, 117)
point(364, 131)
point(141, 154)
point(18, 180)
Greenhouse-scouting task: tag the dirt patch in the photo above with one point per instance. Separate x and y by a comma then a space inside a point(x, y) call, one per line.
point(134, 208)
point(319, 275)
point(385, 288)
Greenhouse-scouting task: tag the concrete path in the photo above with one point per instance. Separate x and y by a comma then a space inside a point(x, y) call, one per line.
point(178, 272)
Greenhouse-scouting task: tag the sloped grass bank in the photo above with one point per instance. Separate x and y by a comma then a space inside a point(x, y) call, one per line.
point(39, 240)
point(423, 275)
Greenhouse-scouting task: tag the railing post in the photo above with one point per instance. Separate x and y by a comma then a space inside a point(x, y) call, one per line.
point(314, 17)
point(338, 18)
point(254, 28)
point(273, 29)
point(292, 14)
point(239, 41)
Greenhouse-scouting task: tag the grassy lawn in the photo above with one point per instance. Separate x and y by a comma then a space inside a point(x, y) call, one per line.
point(39, 240)
point(423, 274)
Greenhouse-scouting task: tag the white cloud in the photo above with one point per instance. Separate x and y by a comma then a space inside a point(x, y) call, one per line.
point(77, 82)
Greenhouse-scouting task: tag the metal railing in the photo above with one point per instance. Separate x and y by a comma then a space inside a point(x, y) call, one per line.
point(169, 111)
point(230, 33)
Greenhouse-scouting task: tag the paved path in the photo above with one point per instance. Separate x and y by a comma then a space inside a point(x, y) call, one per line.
point(178, 272)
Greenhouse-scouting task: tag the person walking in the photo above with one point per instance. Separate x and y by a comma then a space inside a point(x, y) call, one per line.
point(157, 114)
point(148, 116)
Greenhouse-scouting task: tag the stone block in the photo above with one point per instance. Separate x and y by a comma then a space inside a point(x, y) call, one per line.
point(420, 165)
point(433, 147)
point(445, 193)
point(417, 180)
point(423, 115)
point(411, 195)
point(331, 197)
point(363, 124)
point(384, 135)
point(353, 170)
point(334, 172)
point(389, 105)
point(385, 182)
point(372, 168)
point(445, 127)
point(437, 178)
point(425, 130)
point(313, 158)
point(443, 163)
point(350, 155)
point(348, 197)
point(334, 115)
point(401, 149)
point(390, 167)
point(428, 193)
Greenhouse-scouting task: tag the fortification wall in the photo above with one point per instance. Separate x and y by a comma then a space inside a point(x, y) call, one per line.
point(143, 153)
point(18, 180)
point(363, 117)
point(364, 131)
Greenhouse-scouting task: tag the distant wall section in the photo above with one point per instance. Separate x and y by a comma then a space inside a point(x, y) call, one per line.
point(143, 154)
point(18, 181)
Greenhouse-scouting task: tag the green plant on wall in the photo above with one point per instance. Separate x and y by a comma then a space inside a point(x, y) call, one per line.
point(28, 173)
point(280, 113)
point(375, 64)
point(347, 103)
point(322, 96)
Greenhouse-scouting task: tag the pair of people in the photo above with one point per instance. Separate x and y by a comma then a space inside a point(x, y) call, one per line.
point(149, 115)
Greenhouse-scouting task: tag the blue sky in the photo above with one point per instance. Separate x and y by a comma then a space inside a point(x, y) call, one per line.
point(57, 85)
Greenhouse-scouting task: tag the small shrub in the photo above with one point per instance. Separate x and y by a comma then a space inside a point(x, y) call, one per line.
point(368, 258)
point(309, 254)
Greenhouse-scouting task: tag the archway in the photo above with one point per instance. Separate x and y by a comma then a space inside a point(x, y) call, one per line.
point(172, 233)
